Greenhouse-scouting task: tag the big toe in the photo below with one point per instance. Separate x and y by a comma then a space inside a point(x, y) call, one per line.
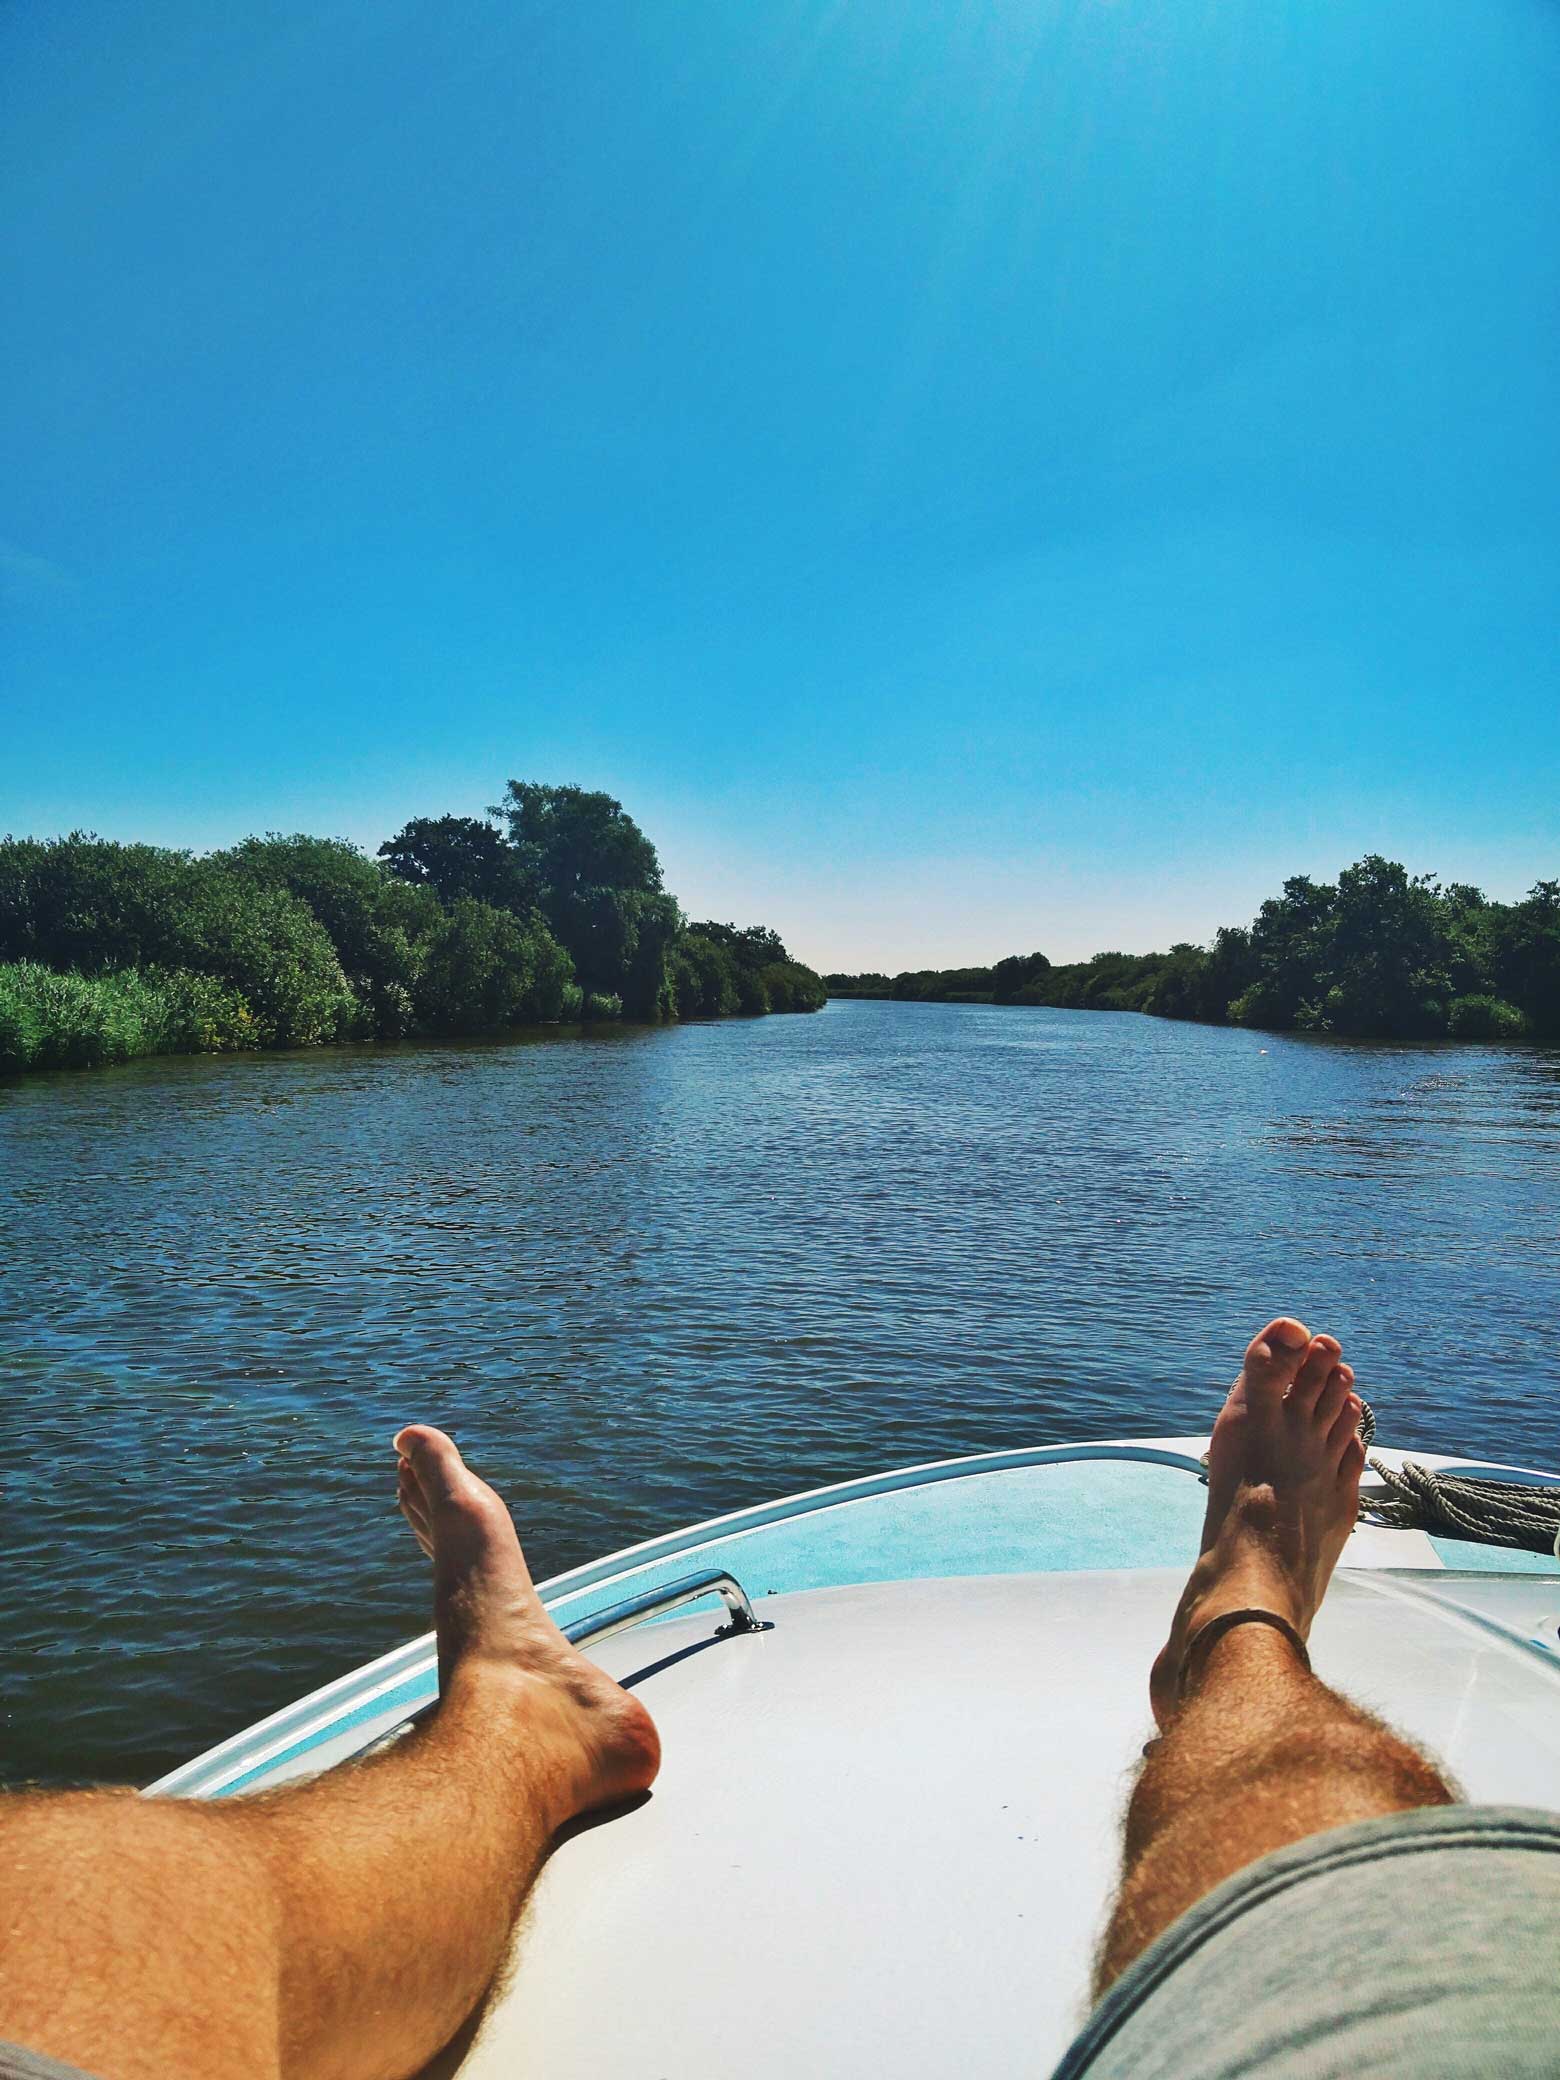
point(441, 1472)
point(1273, 1358)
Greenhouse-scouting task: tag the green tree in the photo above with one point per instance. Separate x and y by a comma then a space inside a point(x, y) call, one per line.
point(1288, 951)
point(486, 969)
point(275, 952)
point(871, 984)
point(753, 946)
point(1383, 961)
point(84, 902)
point(1009, 976)
point(749, 950)
point(570, 841)
point(598, 884)
point(1526, 957)
point(458, 856)
point(109, 950)
point(705, 978)
point(1176, 989)
point(620, 942)
point(1231, 969)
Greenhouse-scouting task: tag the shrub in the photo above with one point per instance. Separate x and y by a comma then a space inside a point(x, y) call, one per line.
point(269, 946)
point(65, 1021)
point(83, 904)
point(486, 969)
point(53, 1019)
point(380, 926)
point(704, 978)
point(293, 941)
point(791, 987)
point(1255, 1006)
point(553, 988)
point(752, 996)
point(1485, 1017)
point(85, 1021)
point(198, 1014)
point(730, 964)
point(19, 1026)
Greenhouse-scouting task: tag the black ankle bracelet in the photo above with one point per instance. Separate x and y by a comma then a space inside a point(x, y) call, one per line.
point(1205, 1635)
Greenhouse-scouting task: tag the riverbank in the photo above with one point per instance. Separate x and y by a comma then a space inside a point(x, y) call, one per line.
point(1381, 954)
point(551, 911)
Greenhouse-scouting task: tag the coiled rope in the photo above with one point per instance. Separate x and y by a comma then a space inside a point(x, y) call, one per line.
point(1459, 1505)
point(1463, 1505)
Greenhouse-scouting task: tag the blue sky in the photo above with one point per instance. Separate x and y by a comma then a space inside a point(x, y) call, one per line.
point(968, 476)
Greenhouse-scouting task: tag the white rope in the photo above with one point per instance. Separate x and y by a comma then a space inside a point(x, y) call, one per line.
point(1461, 1505)
point(1464, 1505)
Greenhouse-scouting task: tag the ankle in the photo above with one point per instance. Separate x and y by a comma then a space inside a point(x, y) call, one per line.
point(1250, 1655)
point(528, 1732)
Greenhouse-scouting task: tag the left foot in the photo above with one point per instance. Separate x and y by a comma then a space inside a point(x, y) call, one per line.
point(1284, 1472)
point(586, 1742)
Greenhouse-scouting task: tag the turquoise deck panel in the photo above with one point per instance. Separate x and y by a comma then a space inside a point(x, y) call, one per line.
point(1086, 1514)
point(1462, 1554)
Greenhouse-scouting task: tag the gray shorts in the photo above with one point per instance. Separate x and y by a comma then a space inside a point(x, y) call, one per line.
point(1425, 1944)
point(18, 2063)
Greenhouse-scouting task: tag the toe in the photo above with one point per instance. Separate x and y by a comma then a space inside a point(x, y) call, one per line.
point(1332, 1399)
point(436, 1465)
point(1346, 1424)
point(1322, 1354)
point(1272, 1358)
point(408, 1491)
point(412, 1502)
point(1352, 1463)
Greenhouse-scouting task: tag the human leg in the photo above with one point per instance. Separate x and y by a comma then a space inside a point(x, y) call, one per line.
point(341, 1929)
point(1255, 1752)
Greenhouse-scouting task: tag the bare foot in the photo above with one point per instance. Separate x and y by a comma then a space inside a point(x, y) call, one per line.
point(587, 1739)
point(1284, 1472)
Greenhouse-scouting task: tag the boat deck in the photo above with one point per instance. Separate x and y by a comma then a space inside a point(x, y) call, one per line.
point(885, 1832)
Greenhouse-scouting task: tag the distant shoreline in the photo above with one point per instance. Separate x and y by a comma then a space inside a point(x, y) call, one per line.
point(549, 911)
point(1380, 954)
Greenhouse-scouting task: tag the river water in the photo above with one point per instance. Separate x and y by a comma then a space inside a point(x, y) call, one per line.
point(646, 1276)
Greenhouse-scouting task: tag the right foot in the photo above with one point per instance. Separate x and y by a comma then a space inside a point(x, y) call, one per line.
point(1284, 1472)
point(587, 1741)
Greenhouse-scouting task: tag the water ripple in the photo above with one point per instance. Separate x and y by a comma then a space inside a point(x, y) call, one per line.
point(647, 1276)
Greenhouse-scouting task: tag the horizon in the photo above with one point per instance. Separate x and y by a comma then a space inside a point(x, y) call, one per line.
point(1034, 481)
point(800, 952)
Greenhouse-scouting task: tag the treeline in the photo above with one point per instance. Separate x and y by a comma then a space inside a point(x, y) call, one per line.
point(1379, 953)
point(551, 909)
